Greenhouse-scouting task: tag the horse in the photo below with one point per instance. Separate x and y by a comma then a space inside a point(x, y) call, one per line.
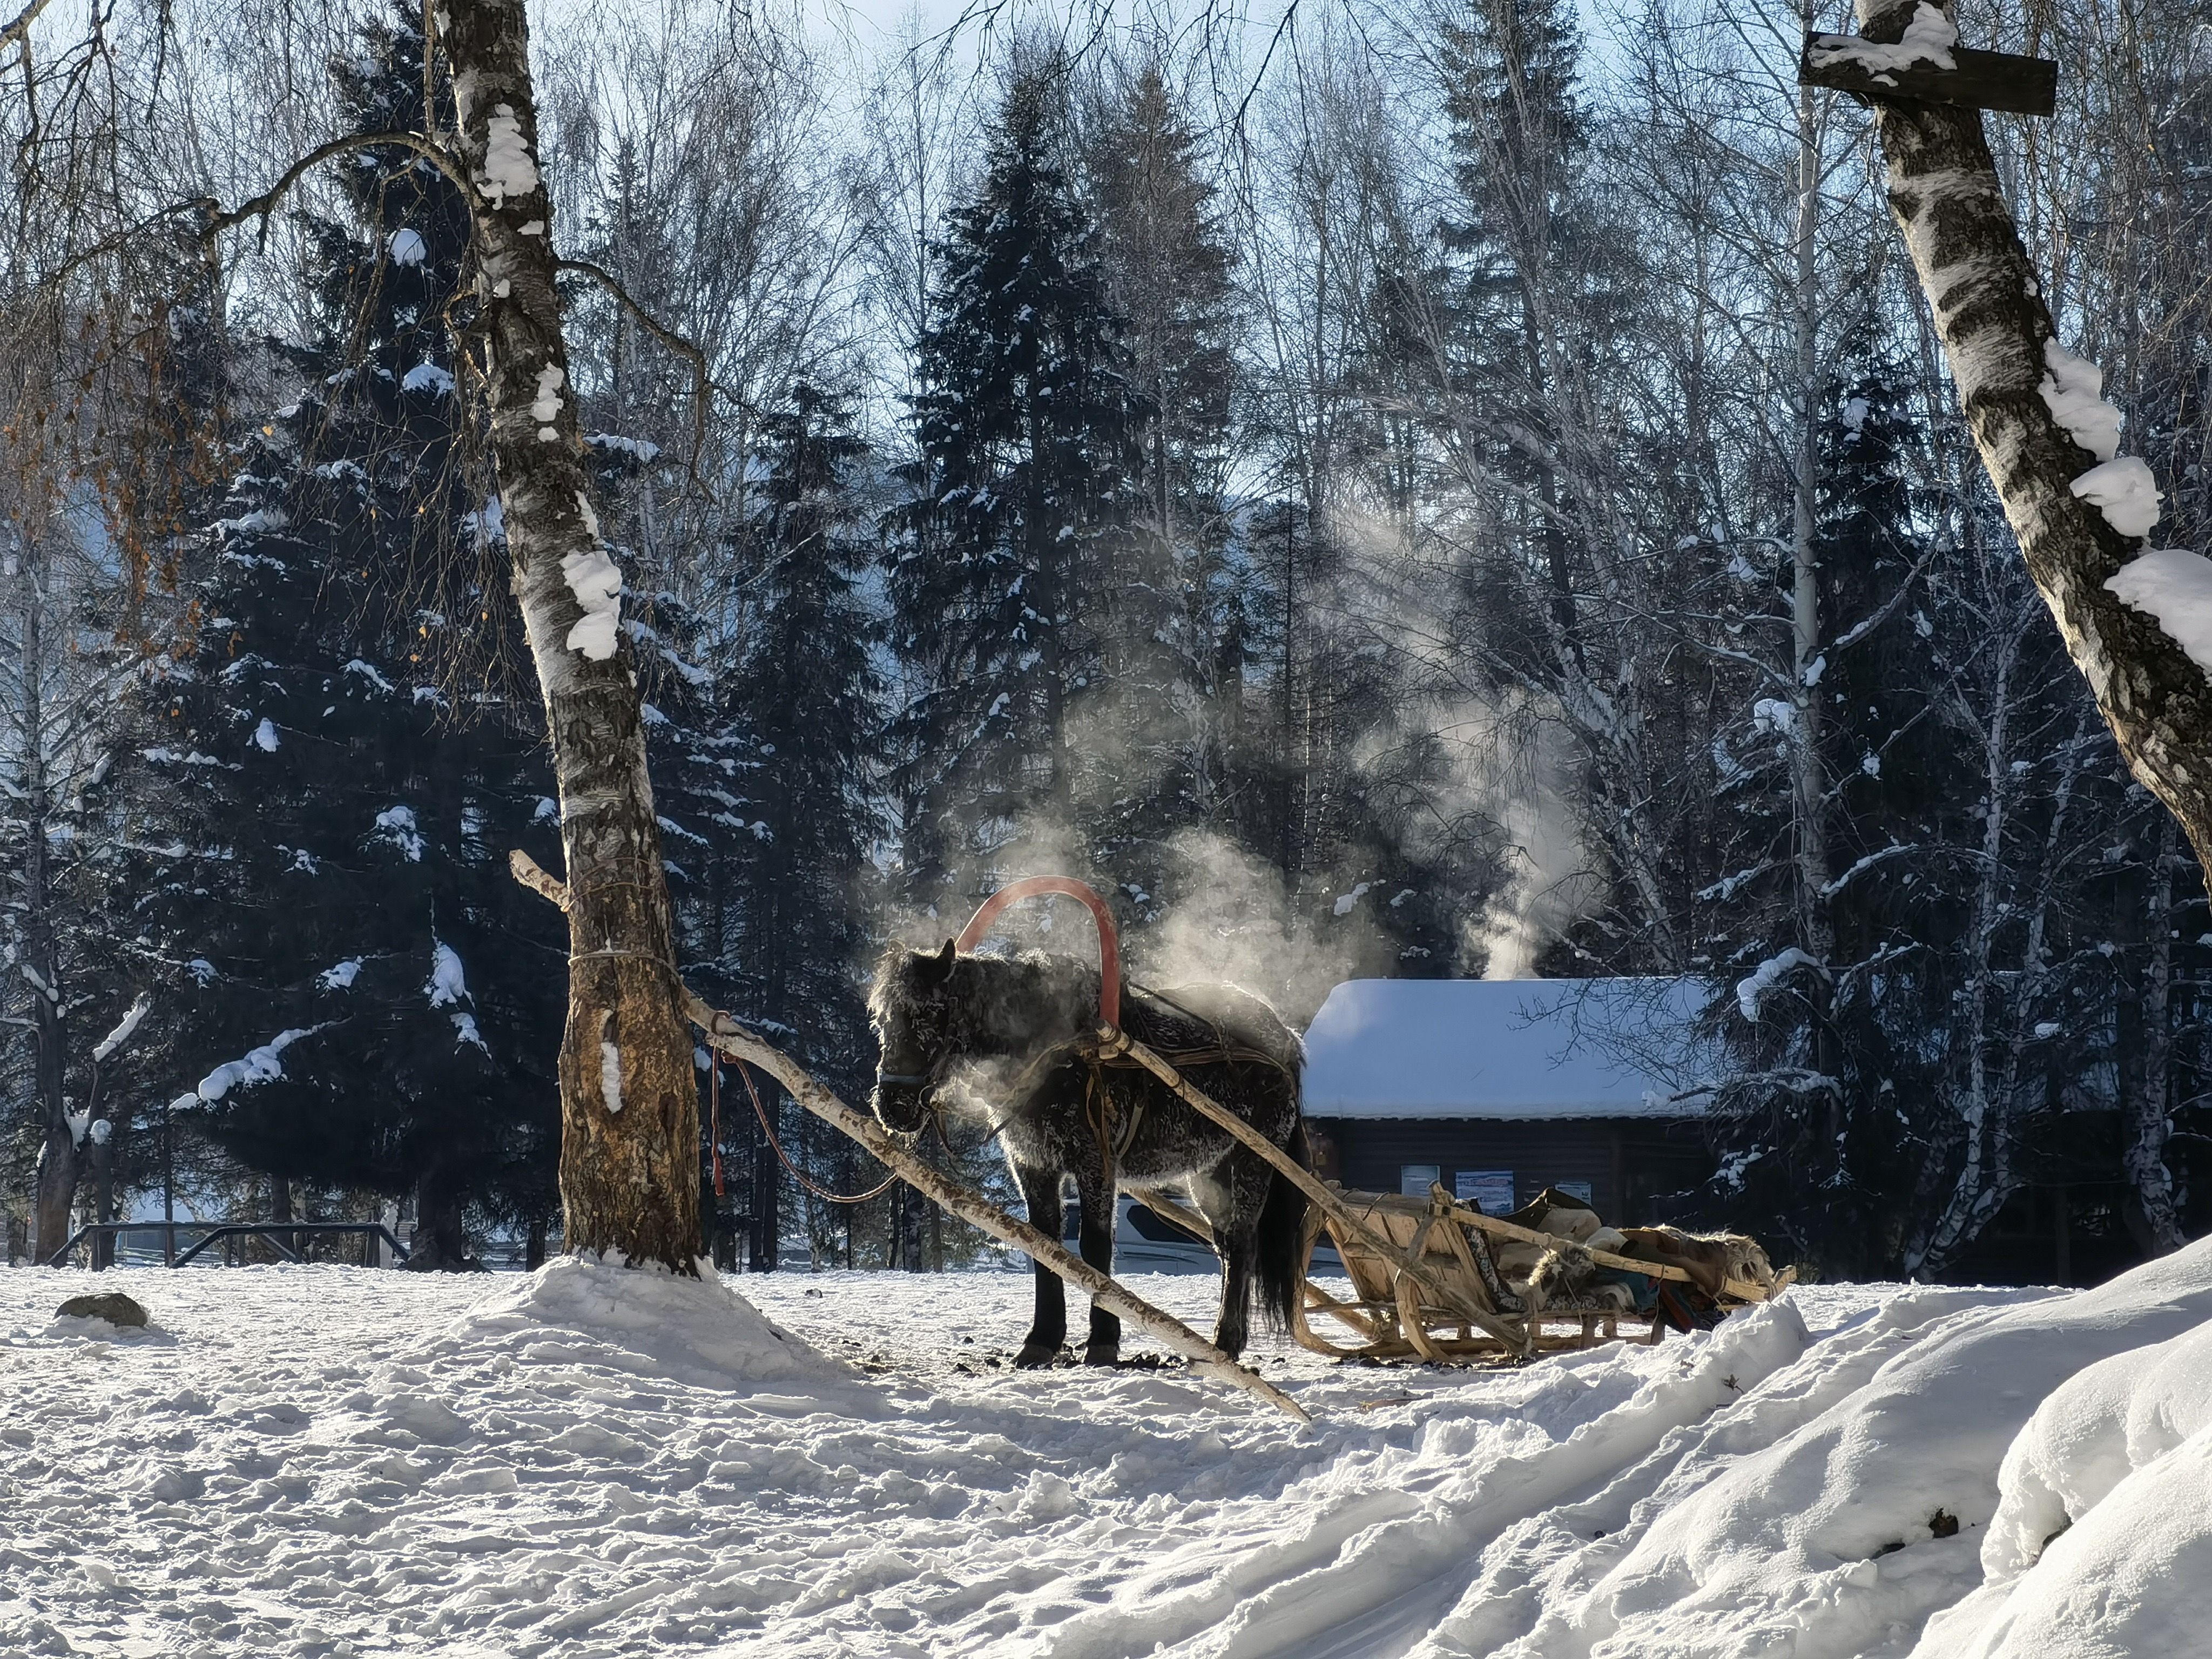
point(1010, 1039)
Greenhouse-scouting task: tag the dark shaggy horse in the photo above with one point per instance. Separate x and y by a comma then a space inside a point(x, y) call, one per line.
point(999, 1035)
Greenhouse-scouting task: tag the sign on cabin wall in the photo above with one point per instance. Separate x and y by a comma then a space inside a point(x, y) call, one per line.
point(1414, 1180)
point(1490, 1191)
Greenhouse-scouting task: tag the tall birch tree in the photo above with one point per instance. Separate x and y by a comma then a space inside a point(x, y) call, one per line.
point(629, 1152)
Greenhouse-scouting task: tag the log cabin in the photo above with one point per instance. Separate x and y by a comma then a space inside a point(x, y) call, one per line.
point(1500, 1088)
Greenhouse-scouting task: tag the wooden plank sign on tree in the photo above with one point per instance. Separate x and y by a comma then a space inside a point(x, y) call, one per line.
point(1931, 73)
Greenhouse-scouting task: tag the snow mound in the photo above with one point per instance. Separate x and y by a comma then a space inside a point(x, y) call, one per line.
point(1363, 1554)
point(2096, 1429)
point(1842, 1535)
point(2102, 1541)
point(92, 1329)
point(645, 1321)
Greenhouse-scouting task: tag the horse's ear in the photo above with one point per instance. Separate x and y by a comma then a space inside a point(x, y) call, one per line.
point(939, 967)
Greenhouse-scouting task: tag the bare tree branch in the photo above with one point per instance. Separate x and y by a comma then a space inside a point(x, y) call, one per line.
point(668, 337)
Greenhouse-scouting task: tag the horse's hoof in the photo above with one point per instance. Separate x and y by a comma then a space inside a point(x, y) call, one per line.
point(1100, 1353)
point(1034, 1357)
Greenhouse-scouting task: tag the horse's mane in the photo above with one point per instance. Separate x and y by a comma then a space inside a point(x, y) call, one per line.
point(987, 999)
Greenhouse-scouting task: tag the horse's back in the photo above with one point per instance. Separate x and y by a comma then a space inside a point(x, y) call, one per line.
point(1209, 1010)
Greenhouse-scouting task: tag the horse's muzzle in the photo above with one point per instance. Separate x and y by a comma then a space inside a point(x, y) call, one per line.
point(902, 1102)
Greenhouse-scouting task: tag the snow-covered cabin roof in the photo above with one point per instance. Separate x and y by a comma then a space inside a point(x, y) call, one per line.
point(1508, 1048)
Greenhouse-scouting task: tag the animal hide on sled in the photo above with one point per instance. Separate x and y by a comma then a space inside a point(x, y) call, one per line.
point(1709, 1259)
point(1566, 1276)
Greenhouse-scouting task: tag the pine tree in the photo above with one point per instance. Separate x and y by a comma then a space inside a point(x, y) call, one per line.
point(1521, 342)
point(771, 773)
point(1173, 631)
point(1027, 430)
point(373, 1002)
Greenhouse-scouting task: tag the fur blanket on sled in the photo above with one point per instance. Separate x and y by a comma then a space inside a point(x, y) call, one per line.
point(1565, 1274)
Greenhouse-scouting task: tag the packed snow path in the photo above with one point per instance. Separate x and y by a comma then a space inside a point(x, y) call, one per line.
point(323, 1461)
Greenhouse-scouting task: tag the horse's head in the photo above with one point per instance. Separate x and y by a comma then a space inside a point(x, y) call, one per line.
point(911, 1010)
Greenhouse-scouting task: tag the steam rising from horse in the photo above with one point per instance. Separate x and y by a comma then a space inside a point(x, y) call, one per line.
point(999, 1036)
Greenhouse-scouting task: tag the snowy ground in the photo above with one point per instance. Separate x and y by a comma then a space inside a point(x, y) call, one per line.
point(324, 1460)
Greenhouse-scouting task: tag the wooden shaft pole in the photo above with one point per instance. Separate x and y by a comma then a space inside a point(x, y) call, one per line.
point(1114, 1041)
point(724, 1035)
point(1165, 1204)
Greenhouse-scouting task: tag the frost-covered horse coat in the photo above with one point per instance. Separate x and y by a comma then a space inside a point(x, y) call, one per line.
point(998, 1036)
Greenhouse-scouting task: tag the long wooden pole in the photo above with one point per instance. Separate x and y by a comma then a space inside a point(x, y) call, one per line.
point(1112, 1040)
point(728, 1037)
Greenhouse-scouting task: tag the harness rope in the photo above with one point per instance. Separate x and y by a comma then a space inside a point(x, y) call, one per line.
point(714, 1108)
point(797, 1174)
point(1114, 1129)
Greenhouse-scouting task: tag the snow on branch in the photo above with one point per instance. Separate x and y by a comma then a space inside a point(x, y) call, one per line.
point(2119, 486)
point(448, 987)
point(448, 982)
point(1894, 850)
point(1768, 974)
point(123, 1027)
point(2124, 491)
point(2074, 392)
point(262, 1065)
point(2174, 586)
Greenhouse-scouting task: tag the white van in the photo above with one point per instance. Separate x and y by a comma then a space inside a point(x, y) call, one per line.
point(1145, 1241)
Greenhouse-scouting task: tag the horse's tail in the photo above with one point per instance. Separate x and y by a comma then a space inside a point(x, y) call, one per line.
point(1282, 1237)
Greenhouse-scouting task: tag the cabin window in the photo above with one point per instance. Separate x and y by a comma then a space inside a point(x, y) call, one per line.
point(1414, 1180)
point(1490, 1191)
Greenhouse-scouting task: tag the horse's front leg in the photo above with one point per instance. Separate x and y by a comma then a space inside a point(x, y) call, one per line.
point(1049, 1327)
point(1096, 1197)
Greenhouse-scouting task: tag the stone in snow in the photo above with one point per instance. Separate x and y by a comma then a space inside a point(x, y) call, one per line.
point(114, 1307)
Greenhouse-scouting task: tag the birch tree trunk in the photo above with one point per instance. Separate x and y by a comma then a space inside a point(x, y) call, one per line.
point(1990, 315)
point(1808, 775)
point(629, 1142)
point(1985, 1179)
point(2148, 1116)
point(61, 1158)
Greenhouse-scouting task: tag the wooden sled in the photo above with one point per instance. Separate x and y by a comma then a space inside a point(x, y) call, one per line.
point(1394, 1313)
